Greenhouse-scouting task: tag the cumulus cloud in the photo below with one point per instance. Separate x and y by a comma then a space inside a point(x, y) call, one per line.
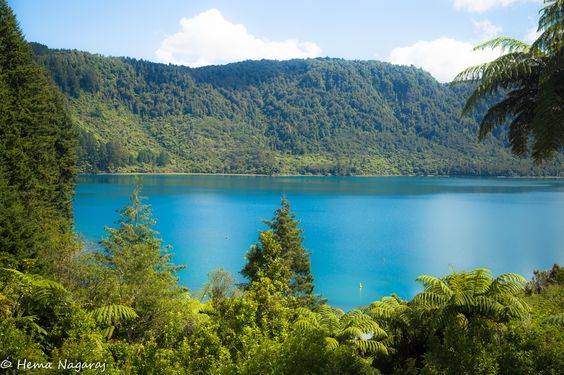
point(480, 6)
point(486, 30)
point(209, 38)
point(532, 35)
point(444, 58)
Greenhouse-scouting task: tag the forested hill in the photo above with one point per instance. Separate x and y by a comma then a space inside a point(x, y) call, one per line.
point(314, 116)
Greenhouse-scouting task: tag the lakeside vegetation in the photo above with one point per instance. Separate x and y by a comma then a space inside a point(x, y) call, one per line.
point(122, 306)
point(314, 116)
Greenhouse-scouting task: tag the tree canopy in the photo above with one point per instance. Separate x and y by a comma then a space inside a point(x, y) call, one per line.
point(37, 151)
point(314, 116)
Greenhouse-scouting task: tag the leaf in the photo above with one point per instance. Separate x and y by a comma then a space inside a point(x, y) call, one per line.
point(113, 314)
point(557, 320)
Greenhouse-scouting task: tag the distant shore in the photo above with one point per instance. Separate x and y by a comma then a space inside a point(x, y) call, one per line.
point(309, 175)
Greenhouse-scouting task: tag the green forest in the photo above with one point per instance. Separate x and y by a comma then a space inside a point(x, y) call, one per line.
point(119, 308)
point(316, 116)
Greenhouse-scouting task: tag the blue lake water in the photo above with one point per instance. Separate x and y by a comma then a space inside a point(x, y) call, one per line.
point(381, 231)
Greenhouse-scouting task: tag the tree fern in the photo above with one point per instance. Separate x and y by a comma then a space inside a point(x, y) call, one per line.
point(469, 295)
point(111, 316)
point(354, 328)
point(531, 80)
point(40, 289)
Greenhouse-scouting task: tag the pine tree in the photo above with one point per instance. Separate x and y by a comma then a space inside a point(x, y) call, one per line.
point(139, 272)
point(37, 148)
point(264, 260)
point(287, 233)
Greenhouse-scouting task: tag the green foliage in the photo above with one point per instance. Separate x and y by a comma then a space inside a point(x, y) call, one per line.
point(112, 315)
point(284, 226)
point(38, 288)
point(264, 260)
point(138, 276)
point(542, 279)
point(120, 303)
point(468, 296)
point(314, 116)
point(305, 354)
point(37, 154)
point(530, 80)
point(16, 343)
point(219, 285)
point(354, 328)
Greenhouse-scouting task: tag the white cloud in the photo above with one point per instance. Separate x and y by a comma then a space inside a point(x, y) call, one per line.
point(480, 6)
point(486, 30)
point(532, 35)
point(208, 38)
point(444, 58)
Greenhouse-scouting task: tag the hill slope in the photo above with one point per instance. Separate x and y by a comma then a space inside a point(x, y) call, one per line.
point(319, 116)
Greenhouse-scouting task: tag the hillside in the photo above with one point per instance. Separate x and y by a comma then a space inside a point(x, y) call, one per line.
point(314, 116)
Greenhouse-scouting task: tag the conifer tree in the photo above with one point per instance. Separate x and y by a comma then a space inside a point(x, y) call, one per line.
point(264, 260)
point(139, 272)
point(286, 231)
point(37, 149)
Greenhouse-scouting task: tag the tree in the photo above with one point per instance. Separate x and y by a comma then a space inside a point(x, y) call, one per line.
point(145, 157)
point(264, 261)
point(284, 226)
point(137, 271)
point(219, 285)
point(354, 328)
point(468, 296)
point(530, 79)
point(37, 153)
point(163, 159)
point(117, 155)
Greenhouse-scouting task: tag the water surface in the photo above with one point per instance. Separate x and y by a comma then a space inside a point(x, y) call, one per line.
point(381, 231)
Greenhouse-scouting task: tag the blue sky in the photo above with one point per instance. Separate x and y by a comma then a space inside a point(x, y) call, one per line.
point(436, 35)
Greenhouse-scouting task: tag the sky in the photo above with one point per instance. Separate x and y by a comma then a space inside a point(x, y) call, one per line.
point(436, 35)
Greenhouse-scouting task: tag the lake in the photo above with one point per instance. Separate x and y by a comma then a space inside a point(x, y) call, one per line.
point(382, 232)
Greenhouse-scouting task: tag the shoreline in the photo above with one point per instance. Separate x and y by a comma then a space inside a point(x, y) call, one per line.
point(310, 175)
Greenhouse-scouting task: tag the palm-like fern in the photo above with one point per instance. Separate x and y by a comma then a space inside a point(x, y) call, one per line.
point(557, 319)
point(353, 328)
point(24, 295)
point(37, 287)
point(468, 295)
point(531, 77)
point(394, 314)
point(111, 316)
point(33, 290)
point(387, 308)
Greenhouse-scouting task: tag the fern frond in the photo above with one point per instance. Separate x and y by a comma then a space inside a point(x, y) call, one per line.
point(306, 325)
point(503, 73)
point(113, 314)
point(351, 333)
point(430, 299)
point(505, 44)
point(434, 284)
point(332, 343)
point(370, 346)
point(42, 288)
point(557, 320)
point(470, 74)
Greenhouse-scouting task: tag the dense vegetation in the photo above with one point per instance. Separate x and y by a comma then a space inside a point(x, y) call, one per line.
point(315, 116)
point(37, 156)
point(119, 308)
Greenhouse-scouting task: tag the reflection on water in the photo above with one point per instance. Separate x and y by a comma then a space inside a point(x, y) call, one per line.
point(379, 231)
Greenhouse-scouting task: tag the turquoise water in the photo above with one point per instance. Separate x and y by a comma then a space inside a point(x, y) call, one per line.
point(381, 231)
